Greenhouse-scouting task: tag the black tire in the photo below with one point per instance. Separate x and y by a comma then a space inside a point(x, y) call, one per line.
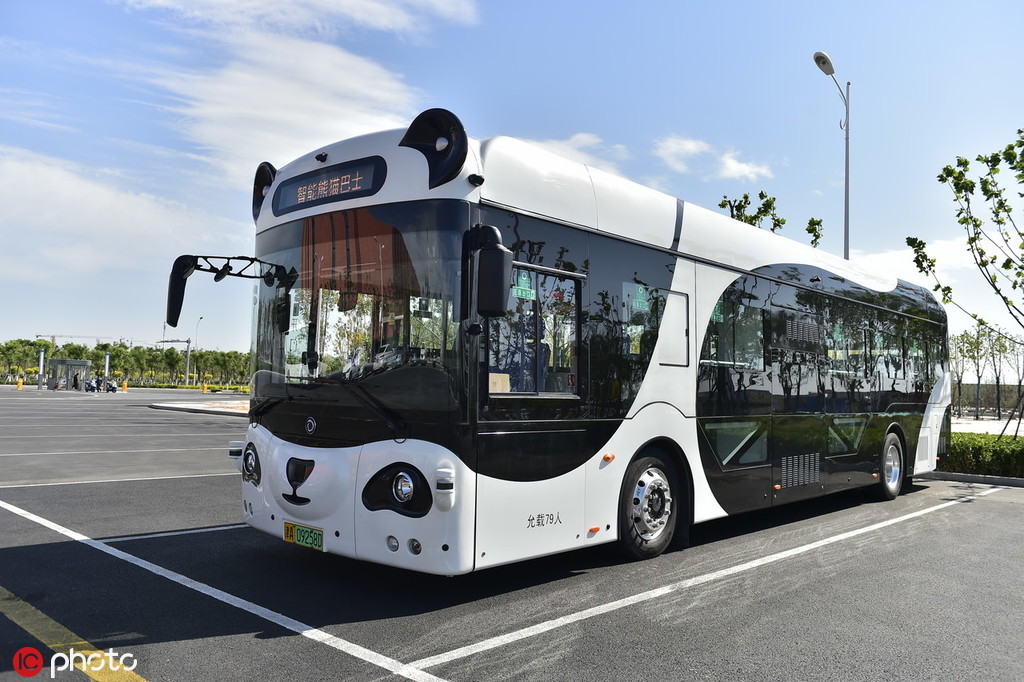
point(650, 506)
point(890, 469)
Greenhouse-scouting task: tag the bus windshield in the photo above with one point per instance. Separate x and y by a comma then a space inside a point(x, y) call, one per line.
point(368, 291)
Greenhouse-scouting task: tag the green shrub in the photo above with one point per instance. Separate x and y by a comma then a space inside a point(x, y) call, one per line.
point(978, 453)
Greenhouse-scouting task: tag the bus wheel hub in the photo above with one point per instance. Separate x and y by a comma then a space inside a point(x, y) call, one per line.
point(652, 503)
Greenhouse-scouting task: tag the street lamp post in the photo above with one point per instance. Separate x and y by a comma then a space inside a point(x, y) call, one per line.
point(188, 352)
point(825, 64)
point(188, 358)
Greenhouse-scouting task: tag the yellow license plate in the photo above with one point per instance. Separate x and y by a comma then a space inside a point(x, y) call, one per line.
point(304, 535)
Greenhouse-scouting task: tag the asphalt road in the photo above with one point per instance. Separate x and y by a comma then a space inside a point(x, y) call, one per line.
point(119, 532)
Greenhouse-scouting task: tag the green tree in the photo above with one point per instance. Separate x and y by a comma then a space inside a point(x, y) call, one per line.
point(1015, 358)
point(985, 212)
point(172, 363)
point(975, 350)
point(738, 210)
point(138, 365)
point(118, 356)
point(958, 365)
point(135, 364)
point(998, 347)
point(22, 355)
point(72, 351)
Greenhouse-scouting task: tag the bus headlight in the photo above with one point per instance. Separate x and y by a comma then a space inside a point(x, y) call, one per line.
point(403, 487)
point(251, 465)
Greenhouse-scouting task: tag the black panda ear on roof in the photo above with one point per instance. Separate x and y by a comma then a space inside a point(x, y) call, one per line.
point(439, 136)
point(260, 186)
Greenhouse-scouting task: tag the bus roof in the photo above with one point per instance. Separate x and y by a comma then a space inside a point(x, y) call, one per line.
point(526, 177)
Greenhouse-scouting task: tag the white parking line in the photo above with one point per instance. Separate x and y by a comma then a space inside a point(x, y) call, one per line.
point(107, 452)
point(547, 626)
point(173, 533)
point(107, 436)
point(308, 631)
point(116, 480)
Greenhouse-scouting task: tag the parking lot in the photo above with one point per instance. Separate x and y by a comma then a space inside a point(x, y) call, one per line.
point(120, 532)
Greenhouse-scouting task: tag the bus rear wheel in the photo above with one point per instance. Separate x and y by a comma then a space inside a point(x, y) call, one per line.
point(648, 509)
point(891, 468)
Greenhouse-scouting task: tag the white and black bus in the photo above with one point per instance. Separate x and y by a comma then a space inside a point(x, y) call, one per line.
point(468, 353)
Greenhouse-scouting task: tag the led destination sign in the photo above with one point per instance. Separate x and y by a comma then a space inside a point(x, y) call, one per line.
point(349, 180)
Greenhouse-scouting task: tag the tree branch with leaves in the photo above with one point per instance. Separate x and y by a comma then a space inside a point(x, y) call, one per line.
point(985, 213)
point(738, 210)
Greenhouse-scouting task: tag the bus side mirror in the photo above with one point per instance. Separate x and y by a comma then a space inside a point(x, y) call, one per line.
point(494, 275)
point(180, 271)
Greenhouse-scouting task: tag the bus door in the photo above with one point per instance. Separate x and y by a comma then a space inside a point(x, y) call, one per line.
point(532, 438)
point(733, 402)
point(798, 440)
point(848, 403)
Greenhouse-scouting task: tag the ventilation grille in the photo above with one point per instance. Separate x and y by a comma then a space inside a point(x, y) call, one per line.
point(801, 331)
point(800, 470)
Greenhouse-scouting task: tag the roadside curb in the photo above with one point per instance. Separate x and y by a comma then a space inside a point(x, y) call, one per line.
point(973, 478)
point(233, 408)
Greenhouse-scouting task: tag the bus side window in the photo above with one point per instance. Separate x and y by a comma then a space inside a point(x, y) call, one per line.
point(533, 348)
point(735, 337)
point(731, 377)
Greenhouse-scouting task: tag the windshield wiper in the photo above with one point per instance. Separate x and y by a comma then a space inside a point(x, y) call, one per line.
point(264, 406)
point(398, 426)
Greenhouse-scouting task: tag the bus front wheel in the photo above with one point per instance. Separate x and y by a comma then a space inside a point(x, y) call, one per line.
point(648, 508)
point(891, 468)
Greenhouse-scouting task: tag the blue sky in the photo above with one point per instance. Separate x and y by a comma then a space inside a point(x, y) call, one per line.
point(130, 129)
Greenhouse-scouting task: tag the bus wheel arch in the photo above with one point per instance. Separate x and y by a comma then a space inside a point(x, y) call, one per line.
point(656, 501)
point(892, 464)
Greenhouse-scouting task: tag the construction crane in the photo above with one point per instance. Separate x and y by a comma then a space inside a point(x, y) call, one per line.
point(53, 337)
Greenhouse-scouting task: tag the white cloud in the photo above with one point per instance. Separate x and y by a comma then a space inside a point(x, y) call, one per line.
point(280, 88)
point(62, 219)
point(86, 256)
point(304, 17)
point(658, 182)
point(278, 97)
point(590, 149)
point(731, 168)
point(676, 151)
point(31, 108)
point(679, 152)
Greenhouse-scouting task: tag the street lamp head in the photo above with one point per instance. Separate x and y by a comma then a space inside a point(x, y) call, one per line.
point(824, 63)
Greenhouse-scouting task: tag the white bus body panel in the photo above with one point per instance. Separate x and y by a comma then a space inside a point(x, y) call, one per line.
point(747, 247)
point(931, 426)
point(407, 174)
point(526, 177)
point(521, 175)
point(517, 520)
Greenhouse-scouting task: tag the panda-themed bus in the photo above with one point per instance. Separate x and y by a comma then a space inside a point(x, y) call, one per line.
point(468, 353)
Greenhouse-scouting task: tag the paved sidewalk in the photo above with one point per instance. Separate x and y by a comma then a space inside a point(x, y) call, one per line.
point(238, 408)
point(992, 426)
